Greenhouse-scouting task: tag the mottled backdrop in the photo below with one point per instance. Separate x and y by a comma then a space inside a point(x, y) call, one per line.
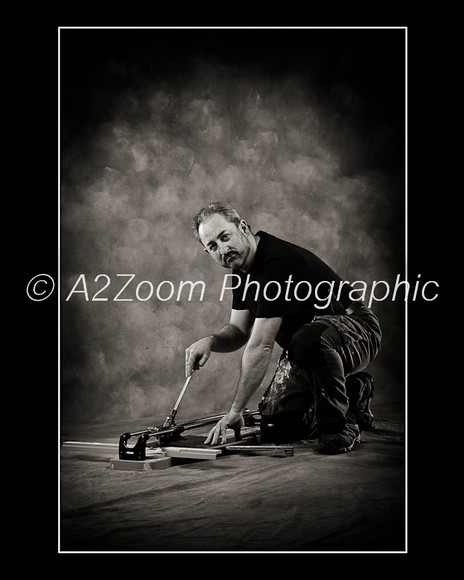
point(301, 130)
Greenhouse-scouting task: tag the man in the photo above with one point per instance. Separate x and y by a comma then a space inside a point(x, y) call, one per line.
point(323, 343)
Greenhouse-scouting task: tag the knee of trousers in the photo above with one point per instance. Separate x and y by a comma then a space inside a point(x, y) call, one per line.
point(306, 348)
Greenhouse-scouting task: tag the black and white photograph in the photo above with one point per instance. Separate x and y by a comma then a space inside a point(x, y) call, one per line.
point(233, 290)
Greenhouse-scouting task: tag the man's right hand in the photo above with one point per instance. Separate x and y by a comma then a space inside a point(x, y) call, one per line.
point(197, 354)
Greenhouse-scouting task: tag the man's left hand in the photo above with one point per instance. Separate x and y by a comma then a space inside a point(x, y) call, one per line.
point(218, 434)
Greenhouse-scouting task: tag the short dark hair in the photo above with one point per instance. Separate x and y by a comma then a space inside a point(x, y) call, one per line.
point(215, 207)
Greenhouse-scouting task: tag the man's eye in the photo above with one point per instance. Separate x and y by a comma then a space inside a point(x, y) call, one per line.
point(212, 248)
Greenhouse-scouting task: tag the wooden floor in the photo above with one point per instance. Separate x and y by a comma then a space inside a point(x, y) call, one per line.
point(307, 502)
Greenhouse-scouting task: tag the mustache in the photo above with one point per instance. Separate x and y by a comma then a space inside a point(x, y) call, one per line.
point(230, 254)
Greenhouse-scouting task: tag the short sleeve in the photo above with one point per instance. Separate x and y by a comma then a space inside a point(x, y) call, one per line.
point(237, 300)
point(276, 296)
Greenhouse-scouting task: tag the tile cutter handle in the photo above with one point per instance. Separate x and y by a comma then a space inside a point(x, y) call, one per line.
point(170, 418)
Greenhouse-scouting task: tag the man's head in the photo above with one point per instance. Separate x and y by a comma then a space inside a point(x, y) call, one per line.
point(225, 236)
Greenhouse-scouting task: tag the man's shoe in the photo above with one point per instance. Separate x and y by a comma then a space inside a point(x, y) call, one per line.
point(342, 442)
point(360, 390)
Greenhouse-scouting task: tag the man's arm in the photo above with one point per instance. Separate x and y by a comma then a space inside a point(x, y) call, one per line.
point(232, 337)
point(255, 362)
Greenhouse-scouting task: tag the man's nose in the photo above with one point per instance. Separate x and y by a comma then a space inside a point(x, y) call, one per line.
point(223, 248)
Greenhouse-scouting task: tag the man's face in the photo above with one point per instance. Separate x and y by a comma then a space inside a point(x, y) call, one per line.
point(226, 242)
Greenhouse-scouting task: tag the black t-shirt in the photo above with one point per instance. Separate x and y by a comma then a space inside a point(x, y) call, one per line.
point(291, 282)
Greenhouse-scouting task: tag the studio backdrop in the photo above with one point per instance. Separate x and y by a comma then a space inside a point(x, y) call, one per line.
point(301, 130)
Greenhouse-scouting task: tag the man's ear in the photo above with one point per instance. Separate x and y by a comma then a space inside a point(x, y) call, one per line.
point(244, 227)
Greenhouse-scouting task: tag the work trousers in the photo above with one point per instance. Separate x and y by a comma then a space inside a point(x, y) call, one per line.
point(328, 350)
point(308, 393)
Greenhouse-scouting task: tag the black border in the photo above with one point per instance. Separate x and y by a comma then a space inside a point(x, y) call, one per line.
point(429, 177)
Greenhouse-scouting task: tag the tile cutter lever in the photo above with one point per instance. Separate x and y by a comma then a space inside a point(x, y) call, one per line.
point(170, 418)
